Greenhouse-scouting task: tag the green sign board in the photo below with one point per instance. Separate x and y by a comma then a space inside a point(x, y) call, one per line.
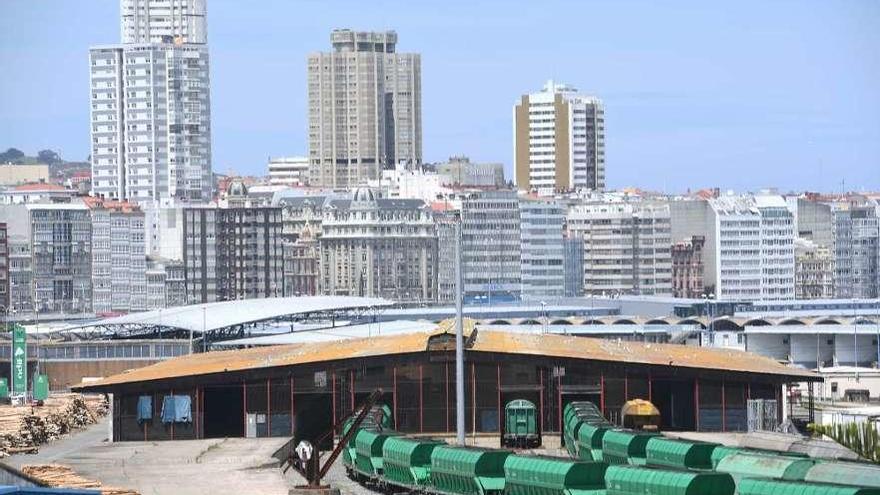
point(4, 388)
point(41, 387)
point(19, 360)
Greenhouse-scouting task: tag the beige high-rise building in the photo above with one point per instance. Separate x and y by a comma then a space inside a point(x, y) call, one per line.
point(365, 109)
point(558, 141)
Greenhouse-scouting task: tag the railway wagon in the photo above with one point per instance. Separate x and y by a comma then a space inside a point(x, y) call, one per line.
point(521, 424)
point(679, 454)
point(635, 480)
point(468, 471)
point(534, 475)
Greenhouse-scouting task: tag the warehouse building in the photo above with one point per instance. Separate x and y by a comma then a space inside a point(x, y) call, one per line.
point(301, 389)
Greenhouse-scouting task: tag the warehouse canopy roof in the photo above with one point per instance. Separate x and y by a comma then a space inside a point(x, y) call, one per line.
point(218, 315)
point(537, 344)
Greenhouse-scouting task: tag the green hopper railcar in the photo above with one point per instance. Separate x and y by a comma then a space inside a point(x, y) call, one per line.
point(468, 471)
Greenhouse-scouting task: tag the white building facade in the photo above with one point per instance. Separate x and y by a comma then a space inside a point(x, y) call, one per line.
point(119, 283)
point(543, 249)
point(150, 105)
point(627, 247)
point(290, 171)
point(749, 251)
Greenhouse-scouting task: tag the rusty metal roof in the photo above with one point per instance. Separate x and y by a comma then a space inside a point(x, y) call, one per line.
point(558, 346)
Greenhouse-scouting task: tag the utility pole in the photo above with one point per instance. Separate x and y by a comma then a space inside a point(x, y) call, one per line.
point(459, 338)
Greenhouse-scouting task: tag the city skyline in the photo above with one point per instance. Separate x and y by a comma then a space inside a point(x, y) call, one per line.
point(695, 97)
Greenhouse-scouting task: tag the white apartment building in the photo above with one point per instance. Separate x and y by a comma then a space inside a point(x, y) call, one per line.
point(749, 251)
point(150, 105)
point(558, 141)
point(627, 247)
point(290, 171)
point(857, 250)
point(151, 129)
point(543, 249)
point(119, 283)
point(365, 109)
point(154, 21)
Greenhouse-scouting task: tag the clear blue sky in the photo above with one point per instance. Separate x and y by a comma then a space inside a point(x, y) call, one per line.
point(743, 96)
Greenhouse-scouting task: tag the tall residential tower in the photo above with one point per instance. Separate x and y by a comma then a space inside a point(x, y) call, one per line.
point(558, 141)
point(365, 109)
point(150, 105)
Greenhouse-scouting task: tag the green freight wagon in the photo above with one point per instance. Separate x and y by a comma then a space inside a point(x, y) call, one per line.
point(407, 461)
point(625, 446)
point(679, 454)
point(368, 451)
point(845, 473)
point(589, 441)
point(633, 480)
point(764, 466)
point(723, 451)
point(532, 475)
point(349, 452)
point(753, 486)
point(467, 471)
point(521, 424)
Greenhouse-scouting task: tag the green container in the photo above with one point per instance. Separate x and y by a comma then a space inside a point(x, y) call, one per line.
point(589, 441)
point(467, 471)
point(625, 446)
point(349, 452)
point(521, 424)
point(845, 473)
point(723, 451)
point(41, 387)
point(742, 465)
point(368, 451)
point(632, 480)
point(531, 475)
point(407, 461)
point(679, 454)
point(4, 388)
point(752, 486)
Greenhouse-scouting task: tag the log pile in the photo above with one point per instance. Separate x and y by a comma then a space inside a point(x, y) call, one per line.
point(58, 476)
point(24, 428)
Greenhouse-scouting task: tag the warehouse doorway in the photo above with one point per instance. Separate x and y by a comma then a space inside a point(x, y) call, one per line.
point(313, 416)
point(675, 401)
point(224, 412)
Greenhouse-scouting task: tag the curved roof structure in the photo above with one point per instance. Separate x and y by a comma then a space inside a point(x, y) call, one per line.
point(492, 341)
point(219, 315)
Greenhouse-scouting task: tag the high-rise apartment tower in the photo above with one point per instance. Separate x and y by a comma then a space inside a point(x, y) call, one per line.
point(558, 141)
point(365, 109)
point(150, 105)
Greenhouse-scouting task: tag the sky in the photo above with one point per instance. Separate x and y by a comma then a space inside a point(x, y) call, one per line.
point(742, 95)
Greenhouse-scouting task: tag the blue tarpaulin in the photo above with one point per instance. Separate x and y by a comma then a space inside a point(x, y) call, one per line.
point(176, 409)
point(145, 408)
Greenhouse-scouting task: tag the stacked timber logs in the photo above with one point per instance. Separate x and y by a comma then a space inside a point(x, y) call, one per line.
point(24, 428)
point(58, 476)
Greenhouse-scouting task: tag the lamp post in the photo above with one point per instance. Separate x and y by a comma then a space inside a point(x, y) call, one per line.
point(459, 339)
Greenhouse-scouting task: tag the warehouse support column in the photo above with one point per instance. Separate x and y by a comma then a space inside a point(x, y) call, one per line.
point(559, 400)
point(602, 393)
point(172, 423)
point(268, 408)
point(498, 386)
point(333, 398)
point(541, 397)
point(394, 393)
point(625, 386)
point(446, 389)
point(697, 404)
point(351, 388)
point(244, 405)
point(473, 399)
point(292, 417)
point(421, 398)
point(650, 388)
point(723, 406)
